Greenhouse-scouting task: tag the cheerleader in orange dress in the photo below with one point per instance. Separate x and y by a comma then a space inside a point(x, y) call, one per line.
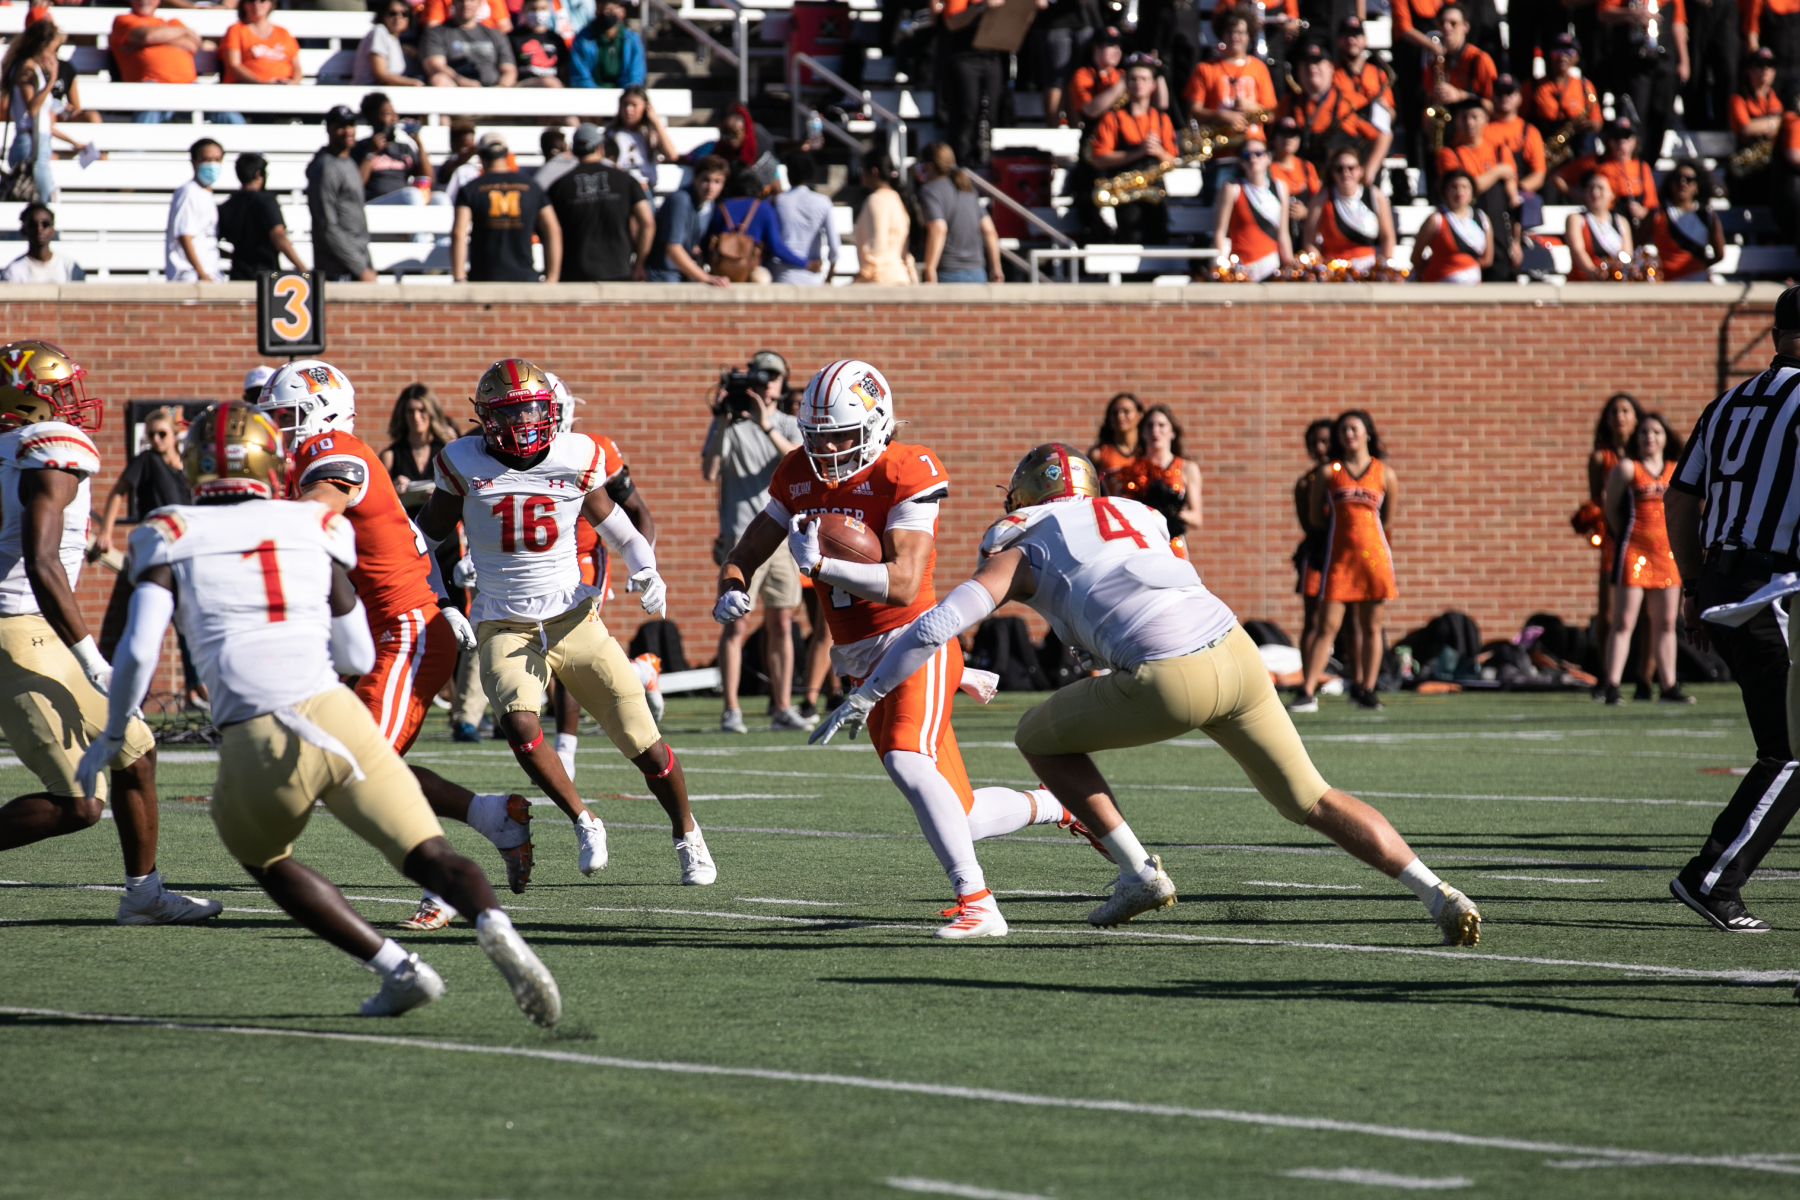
point(1117, 442)
point(1309, 555)
point(1161, 477)
point(1644, 571)
point(1612, 434)
point(1356, 498)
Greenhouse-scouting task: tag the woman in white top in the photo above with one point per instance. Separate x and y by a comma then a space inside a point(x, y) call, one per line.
point(381, 58)
point(883, 227)
point(639, 138)
point(1596, 233)
point(29, 74)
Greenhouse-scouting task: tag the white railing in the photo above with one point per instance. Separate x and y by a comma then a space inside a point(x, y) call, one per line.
point(1080, 254)
point(896, 126)
point(740, 19)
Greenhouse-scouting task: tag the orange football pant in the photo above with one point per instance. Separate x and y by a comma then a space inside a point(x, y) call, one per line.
point(415, 656)
point(915, 717)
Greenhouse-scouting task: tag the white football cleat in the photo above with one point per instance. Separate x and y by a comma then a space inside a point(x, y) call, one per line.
point(432, 914)
point(697, 867)
point(590, 840)
point(1132, 896)
point(412, 986)
point(166, 908)
point(1459, 920)
point(532, 985)
point(976, 916)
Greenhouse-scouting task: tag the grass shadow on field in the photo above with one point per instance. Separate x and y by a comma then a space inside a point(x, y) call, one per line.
point(1368, 991)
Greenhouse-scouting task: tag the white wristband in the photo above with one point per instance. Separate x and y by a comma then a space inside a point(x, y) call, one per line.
point(89, 656)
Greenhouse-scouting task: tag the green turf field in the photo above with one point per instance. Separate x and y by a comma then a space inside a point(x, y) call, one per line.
point(1291, 1028)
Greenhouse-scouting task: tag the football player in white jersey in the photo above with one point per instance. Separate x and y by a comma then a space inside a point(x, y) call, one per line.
point(268, 609)
point(518, 489)
point(52, 677)
point(1100, 570)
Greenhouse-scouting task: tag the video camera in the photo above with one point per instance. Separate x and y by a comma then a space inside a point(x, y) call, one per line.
point(735, 402)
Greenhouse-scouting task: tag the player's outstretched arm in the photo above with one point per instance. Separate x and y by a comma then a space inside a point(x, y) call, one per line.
point(438, 519)
point(134, 665)
point(763, 538)
point(1003, 576)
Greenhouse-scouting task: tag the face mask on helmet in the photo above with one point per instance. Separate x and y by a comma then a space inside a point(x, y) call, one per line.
point(306, 398)
point(846, 419)
point(38, 382)
point(521, 427)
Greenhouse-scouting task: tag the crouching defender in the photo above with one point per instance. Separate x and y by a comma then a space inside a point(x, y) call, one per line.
point(1101, 572)
point(267, 605)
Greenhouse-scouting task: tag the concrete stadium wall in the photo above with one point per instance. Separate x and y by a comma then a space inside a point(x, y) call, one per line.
point(1486, 397)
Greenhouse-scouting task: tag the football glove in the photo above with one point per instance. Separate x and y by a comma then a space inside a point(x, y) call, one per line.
point(100, 751)
point(803, 542)
point(652, 593)
point(851, 715)
point(95, 667)
point(734, 605)
point(459, 626)
point(463, 575)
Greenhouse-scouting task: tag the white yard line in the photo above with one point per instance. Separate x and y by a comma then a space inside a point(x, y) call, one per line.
point(1316, 887)
point(1542, 878)
point(807, 903)
point(1624, 1157)
point(940, 1187)
point(1386, 1179)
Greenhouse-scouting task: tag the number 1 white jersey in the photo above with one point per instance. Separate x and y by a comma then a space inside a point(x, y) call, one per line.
point(1108, 582)
point(253, 596)
point(46, 444)
point(520, 525)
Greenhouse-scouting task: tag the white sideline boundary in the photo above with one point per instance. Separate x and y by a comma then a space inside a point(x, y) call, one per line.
point(1610, 1154)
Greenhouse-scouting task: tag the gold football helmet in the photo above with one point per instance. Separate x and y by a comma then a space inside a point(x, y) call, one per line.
point(516, 402)
point(38, 382)
point(234, 453)
point(1052, 471)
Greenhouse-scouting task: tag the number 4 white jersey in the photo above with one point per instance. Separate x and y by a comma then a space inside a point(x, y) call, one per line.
point(46, 444)
point(521, 524)
point(1108, 582)
point(253, 596)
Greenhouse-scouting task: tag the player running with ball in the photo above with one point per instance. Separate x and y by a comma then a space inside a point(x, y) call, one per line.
point(518, 490)
point(417, 631)
point(267, 606)
point(1101, 572)
point(848, 464)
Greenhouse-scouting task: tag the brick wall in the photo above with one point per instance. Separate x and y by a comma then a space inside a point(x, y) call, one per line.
point(1486, 402)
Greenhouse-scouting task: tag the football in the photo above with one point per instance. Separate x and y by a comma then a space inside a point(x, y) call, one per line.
point(848, 538)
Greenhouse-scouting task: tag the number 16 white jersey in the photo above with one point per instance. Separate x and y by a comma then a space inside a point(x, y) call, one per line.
point(253, 596)
point(1108, 582)
point(521, 524)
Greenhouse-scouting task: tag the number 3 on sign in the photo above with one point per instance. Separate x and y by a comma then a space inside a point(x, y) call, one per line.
point(293, 291)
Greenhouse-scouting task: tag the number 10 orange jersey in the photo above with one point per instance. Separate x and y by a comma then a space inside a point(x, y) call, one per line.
point(393, 569)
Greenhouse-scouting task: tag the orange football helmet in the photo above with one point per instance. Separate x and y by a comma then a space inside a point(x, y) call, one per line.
point(38, 382)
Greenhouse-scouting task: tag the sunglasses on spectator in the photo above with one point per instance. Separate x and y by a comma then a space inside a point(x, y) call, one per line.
point(1256, 154)
point(42, 223)
point(402, 13)
point(1346, 168)
point(1688, 179)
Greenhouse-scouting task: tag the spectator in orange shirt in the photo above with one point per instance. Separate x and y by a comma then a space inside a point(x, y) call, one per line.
point(1350, 220)
point(1775, 25)
point(1368, 82)
point(1755, 116)
point(1686, 231)
point(1495, 175)
point(256, 50)
point(1633, 184)
point(1138, 133)
point(1099, 86)
point(1597, 233)
point(492, 13)
point(149, 49)
point(1414, 23)
point(1468, 72)
point(1565, 99)
point(1249, 220)
point(1326, 116)
point(1300, 176)
point(1456, 242)
point(1524, 143)
point(1785, 169)
point(1646, 73)
point(1232, 88)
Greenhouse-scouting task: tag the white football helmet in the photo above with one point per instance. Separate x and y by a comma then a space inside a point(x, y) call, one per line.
point(565, 403)
point(847, 397)
point(307, 397)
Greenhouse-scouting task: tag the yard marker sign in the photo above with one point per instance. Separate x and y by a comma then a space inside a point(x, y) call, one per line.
point(290, 314)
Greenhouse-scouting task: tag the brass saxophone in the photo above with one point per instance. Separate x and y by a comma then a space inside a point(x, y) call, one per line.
point(1559, 147)
point(1752, 159)
point(1197, 145)
point(1437, 114)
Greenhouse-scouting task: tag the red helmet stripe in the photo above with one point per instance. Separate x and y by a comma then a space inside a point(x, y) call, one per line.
point(219, 437)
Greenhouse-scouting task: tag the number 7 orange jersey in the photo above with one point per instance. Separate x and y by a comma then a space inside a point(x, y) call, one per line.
point(393, 569)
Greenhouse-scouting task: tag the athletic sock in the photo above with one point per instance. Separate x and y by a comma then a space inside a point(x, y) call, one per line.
point(139, 885)
point(489, 818)
point(1134, 861)
point(1000, 810)
point(449, 908)
point(389, 959)
point(1424, 884)
point(941, 817)
point(493, 918)
point(565, 750)
point(1049, 809)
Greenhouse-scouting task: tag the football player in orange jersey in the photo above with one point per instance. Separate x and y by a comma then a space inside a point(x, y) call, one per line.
point(416, 640)
point(596, 566)
point(847, 463)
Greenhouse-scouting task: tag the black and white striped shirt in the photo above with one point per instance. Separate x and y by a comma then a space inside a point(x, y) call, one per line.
point(1743, 461)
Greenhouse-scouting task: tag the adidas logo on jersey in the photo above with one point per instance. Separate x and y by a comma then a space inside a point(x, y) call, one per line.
point(862, 489)
point(386, 636)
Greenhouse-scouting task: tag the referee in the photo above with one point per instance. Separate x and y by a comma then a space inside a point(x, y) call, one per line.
point(1732, 512)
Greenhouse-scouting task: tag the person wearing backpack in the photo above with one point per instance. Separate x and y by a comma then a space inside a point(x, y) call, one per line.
point(677, 254)
point(745, 230)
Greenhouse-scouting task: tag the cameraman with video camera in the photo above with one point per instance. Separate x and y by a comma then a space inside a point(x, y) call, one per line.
point(749, 435)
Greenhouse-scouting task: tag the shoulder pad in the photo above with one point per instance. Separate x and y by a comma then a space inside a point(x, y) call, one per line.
point(451, 468)
point(344, 468)
point(337, 535)
point(1006, 532)
point(56, 445)
point(152, 543)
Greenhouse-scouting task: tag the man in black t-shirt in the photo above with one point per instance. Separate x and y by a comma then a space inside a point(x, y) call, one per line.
point(251, 221)
point(496, 213)
point(604, 215)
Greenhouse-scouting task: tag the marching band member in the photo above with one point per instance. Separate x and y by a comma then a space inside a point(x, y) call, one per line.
point(1137, 133)
point(1596, 232)
point(1350, 220)
point(1300, 176)
point(1688, 236)
point(1252, 217)
point(1565, 97)
point(1229, 90)
point(1457, 240)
